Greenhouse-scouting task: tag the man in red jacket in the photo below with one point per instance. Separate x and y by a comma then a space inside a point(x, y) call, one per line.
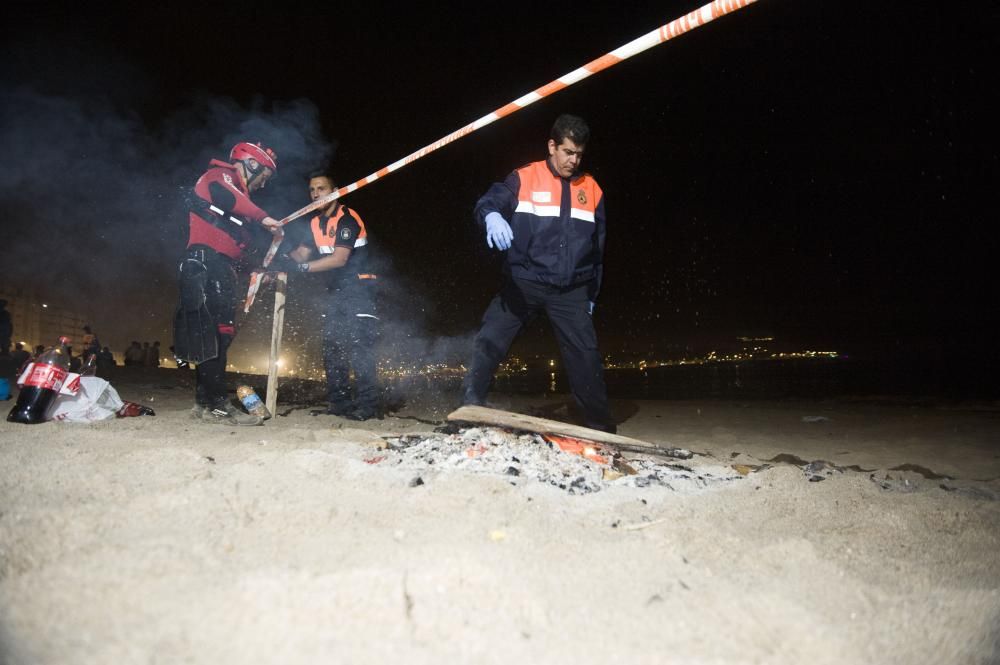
point(220, 211)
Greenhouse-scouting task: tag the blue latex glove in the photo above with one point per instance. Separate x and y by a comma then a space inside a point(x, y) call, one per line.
point(590, 309)
point(498, 231)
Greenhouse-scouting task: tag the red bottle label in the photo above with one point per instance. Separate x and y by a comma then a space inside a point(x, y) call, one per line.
point(50, 377)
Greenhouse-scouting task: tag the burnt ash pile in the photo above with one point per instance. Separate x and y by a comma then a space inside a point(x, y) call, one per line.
point(526, 457)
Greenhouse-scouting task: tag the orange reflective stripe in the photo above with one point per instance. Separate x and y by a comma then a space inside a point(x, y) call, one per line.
point(539, 186)
point(603, 62)
point(319, 234)
point(541, 192)
point(367, 276)
point(327, 237)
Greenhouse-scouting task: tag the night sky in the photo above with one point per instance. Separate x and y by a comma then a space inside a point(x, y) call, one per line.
point(805, 170)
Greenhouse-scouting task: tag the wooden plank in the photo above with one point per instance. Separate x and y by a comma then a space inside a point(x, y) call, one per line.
point(484, 415)
point(277, 324)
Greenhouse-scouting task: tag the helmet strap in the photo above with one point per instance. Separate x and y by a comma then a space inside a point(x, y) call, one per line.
point(244, 173)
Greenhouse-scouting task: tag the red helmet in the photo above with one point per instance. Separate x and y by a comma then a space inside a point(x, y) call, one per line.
point(264, 156)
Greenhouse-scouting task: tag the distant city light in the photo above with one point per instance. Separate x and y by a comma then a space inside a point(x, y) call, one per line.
point(750, 349)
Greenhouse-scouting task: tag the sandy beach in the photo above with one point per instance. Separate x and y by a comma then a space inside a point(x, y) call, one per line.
point(842, 531)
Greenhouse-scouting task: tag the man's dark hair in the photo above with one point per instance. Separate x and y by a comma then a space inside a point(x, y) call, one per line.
point(322, 173)
point(570, 127)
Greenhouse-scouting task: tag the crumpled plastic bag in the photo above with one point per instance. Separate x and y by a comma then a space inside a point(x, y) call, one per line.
point(95, 400)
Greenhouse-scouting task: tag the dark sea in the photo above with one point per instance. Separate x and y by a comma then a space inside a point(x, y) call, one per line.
point(824, 378)
point(910, 382)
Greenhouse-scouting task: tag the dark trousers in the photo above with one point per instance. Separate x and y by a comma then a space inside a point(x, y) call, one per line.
point(220, 299)
point(517, 304)
point(350, 334)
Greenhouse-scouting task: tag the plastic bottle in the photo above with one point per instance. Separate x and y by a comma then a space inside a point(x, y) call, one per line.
point(251, 402)
point(130, 409)
point(41, 386)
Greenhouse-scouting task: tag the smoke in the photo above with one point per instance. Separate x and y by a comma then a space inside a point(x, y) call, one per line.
point(94, 220)
point(90, 194)
point(407, 344)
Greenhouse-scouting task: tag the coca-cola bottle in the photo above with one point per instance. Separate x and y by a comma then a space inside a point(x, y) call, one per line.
point(133, 409)
point(41, 386)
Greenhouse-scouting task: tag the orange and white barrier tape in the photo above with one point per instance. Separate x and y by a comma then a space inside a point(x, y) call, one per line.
point(675, 28)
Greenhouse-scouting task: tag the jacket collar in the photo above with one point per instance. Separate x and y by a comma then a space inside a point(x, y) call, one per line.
point(548, 165)
point(237, 180)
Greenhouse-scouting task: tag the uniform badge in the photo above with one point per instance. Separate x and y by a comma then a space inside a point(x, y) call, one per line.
point(228, 178)
point(581, 196)
point(346, 234)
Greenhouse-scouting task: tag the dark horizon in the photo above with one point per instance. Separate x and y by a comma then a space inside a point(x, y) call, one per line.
point(789, 171)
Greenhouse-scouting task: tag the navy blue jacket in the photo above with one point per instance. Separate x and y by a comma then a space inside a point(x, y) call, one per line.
point(558, 223)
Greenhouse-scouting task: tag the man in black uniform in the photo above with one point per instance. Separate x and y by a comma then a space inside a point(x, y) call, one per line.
point(336, 242)
point(554, 244)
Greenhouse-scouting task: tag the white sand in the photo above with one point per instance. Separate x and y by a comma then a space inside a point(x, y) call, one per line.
point(162, 540)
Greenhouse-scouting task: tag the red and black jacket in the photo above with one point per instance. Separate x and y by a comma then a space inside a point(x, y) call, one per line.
point(226, 233)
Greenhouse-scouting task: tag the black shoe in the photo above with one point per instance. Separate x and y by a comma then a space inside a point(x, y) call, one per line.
point(227, 414)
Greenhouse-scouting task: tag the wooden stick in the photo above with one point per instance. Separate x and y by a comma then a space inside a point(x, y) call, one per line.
point(481, 414)
point(280, 286)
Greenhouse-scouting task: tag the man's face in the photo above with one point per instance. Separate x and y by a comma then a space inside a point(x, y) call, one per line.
point(260, 179)
point(565, 157)
point(319, 187)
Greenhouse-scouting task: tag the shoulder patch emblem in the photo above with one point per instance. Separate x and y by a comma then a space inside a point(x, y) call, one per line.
point(228, 178)
point(581, 196)
point(346, 234)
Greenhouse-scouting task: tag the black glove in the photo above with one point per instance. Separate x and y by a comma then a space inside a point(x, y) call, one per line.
point(285, 263)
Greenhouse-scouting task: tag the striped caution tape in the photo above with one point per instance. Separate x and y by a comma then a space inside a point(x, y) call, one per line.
point(675, 28)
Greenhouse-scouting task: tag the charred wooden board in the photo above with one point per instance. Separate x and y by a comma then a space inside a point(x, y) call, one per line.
point(486, 416)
